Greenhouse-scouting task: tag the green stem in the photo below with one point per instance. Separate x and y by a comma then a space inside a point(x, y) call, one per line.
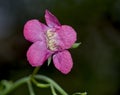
point(53, 90)
point(40, 77)
point(35, 72)
point(35, 82)
point(40, 84)
point(78, 93)
point(30, 88)
point(55, 85)
point(15, 85)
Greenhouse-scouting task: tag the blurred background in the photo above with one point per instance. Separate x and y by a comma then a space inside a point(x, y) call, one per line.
point(96, 62)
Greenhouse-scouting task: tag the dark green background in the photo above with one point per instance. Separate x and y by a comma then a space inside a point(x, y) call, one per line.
point(96, 62)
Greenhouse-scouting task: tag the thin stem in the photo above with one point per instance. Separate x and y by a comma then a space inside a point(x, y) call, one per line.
point(30, 88)
point(78, 93)
point(35, 71)
point(40, 84)
point(53, 90)
point(36, 82)
point(40, 77)
point(55, 85)
point(15, 85)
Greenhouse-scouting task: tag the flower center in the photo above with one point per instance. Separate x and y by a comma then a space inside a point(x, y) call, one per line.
point(51, 42)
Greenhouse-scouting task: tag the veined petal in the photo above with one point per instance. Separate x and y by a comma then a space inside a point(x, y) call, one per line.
point(37, 53)
point(51, 20)
point(66, 36)
point(34, 30)
point(63, 61)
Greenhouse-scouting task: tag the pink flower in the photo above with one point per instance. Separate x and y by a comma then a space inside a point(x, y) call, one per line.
point(51, 39)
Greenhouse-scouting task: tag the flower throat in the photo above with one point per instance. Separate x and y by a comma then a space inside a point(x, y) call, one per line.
point(51, 42)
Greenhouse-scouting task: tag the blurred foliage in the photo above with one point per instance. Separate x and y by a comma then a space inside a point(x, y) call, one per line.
point(96, 61)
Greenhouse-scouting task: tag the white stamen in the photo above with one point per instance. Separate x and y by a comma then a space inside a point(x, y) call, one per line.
point(51, 42)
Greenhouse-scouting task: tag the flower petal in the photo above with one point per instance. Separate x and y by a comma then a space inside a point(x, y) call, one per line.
point(37, 53)
point(33, 30)
point(66, 36)
point(51, 20)
point(63, 61)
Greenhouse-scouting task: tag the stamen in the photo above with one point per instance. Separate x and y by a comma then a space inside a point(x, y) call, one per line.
point(51, 42)
point(50, 34)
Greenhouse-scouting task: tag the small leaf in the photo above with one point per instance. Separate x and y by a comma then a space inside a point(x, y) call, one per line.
point(49, 60)
point(75, 45)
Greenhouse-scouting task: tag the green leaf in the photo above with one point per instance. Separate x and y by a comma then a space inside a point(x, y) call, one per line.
point(49, 60)
point(75, 45)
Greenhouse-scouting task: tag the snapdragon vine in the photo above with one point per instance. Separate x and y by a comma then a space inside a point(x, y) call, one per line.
point(50, 41)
